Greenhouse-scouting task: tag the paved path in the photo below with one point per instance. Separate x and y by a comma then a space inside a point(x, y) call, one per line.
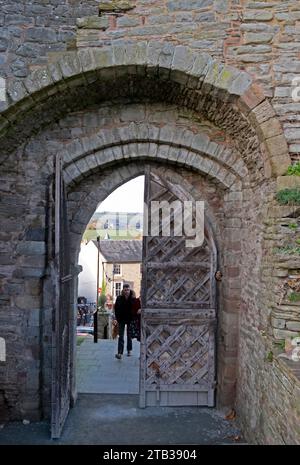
point(98, 371)
point(107, 410)
point(104, 419)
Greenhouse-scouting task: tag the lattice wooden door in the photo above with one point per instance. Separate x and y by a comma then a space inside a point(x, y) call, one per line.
point(178, 310)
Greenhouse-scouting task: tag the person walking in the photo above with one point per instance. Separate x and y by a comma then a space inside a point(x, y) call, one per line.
point(124, 314)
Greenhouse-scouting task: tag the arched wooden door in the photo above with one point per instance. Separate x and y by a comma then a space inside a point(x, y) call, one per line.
point(178, 309)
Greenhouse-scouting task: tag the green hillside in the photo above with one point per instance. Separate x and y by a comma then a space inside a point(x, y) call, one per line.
point(91, 234)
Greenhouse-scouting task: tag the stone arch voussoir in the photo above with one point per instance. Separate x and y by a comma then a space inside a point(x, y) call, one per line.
point(163, 153)
point(196, 72)
point(133, 142)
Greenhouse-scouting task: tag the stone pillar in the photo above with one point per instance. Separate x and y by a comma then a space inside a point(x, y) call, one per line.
point(103, 325)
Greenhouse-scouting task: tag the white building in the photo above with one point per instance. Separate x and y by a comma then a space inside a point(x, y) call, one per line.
point(120, 260)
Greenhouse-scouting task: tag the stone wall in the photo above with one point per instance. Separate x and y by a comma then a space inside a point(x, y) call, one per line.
point(259, 37)
point(269, 410)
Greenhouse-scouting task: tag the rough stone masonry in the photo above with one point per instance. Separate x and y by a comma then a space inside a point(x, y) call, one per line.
point(203, 89)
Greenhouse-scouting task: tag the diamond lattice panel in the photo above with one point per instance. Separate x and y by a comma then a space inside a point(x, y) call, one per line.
point(177, 355)
point(175, 286)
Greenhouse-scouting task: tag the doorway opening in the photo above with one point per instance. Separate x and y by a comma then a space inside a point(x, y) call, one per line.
point(110, 257)
point(178, 296)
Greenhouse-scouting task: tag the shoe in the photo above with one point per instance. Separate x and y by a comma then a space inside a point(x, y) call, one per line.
point(128, 353)
point(119, 356)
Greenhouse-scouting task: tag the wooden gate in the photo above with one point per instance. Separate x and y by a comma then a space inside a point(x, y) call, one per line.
point(62, 328)
point(178, 310)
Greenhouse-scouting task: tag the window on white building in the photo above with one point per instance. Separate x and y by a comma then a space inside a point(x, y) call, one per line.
point(117, 268)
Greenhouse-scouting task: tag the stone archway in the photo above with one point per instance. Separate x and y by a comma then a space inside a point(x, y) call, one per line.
point(111, 178)
point(243, 167)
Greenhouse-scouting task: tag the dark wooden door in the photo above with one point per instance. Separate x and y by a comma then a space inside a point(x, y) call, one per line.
point(178, 309)
point(62, 329)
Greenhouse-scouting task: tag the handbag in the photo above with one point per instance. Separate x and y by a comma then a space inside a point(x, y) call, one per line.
point(115, 329)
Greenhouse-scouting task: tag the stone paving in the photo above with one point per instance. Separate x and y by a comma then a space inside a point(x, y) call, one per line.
point(98, 371)
point(101, 419)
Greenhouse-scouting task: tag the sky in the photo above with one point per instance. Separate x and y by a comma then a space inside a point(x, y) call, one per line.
point(127, 198)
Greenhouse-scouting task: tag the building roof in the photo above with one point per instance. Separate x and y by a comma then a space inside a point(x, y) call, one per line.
point(125, 251)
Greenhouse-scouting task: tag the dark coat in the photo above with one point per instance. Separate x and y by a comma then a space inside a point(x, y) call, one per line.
point(124, 309)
